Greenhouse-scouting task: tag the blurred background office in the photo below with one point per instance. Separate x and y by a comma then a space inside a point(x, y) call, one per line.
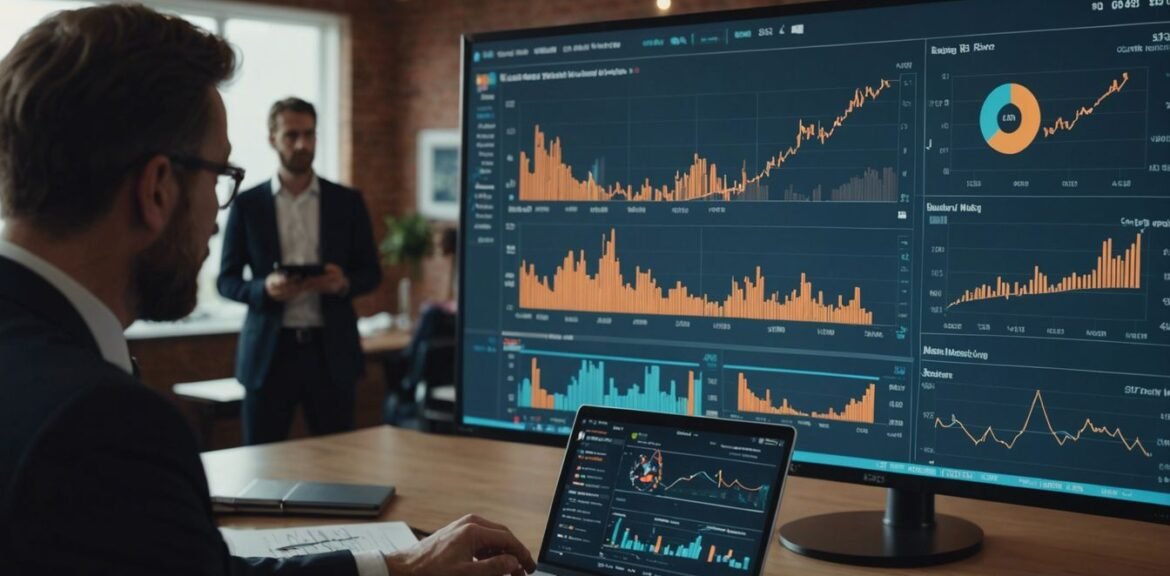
point(384, 76)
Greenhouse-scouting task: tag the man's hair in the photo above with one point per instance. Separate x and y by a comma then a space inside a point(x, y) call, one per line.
point(88, 96)
point(290, 104)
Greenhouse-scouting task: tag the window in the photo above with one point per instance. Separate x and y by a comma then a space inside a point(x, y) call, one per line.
point(283, 52)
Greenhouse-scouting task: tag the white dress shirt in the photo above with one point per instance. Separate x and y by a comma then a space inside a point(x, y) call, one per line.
point(298, 221)
point(108, 332)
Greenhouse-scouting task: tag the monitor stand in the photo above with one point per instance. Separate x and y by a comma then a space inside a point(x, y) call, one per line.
point(907, 534)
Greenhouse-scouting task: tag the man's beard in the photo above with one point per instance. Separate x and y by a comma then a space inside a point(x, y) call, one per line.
point(167, 273)
point(297, 162)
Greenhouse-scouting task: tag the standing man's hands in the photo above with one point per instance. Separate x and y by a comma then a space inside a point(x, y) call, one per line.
point(282, 288)
point(470, 546)
point(332, 282)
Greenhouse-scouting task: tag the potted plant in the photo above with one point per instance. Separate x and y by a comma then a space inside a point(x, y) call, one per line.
point(408, 241)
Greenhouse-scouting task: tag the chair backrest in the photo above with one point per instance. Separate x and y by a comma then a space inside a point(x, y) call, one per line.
point(431, 353)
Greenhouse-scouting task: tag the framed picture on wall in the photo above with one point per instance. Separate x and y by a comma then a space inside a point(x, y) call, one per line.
point(438, 174)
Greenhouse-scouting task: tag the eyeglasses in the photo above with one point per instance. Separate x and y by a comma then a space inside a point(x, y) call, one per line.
point(227, 183)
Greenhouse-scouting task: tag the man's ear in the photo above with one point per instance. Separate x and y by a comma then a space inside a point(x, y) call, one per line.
point(272, 141)
point(156, 194)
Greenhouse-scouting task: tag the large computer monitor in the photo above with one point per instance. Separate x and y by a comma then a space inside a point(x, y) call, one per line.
point(934, 236)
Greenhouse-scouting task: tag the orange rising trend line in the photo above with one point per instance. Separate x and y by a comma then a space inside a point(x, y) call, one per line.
point(1062, 124)
point(550, 179)
point(1061, 437)
point(855, 411)
point(572, 288)
point(1111, 272)
point(717, 480)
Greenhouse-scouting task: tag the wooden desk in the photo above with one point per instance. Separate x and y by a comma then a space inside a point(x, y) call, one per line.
point(213, 400)
point(440, 478)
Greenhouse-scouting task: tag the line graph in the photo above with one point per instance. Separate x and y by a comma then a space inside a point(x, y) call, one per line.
point(572, 288)
point(1061, 124)
point(1061, 437)
point(1120, 272)
point(702, 482)
point(546, 177)
point(717, 480)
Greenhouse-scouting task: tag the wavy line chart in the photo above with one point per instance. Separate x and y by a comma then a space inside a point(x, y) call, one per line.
point(1061, 437)
point(710, 484)
point(1067, 125)
point(547, 177)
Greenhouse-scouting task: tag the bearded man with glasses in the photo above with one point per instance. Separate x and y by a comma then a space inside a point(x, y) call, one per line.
point(113, 142)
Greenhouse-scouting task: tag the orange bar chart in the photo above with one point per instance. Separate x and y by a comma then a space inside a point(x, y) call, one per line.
point(855, 410)
point(546, 177)
point(1120, 272)
point(573, 288)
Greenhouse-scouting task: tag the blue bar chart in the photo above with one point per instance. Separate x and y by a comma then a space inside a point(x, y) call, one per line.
point(672, 387)
point(660, 542)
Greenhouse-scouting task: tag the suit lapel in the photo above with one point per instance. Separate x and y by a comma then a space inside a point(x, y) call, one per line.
point(329, 227)
point(24, 287)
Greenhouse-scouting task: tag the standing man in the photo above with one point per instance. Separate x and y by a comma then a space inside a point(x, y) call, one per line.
point(300, 343)
point(113, 142)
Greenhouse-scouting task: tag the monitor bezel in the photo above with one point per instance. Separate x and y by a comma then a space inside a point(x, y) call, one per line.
point(943, 486)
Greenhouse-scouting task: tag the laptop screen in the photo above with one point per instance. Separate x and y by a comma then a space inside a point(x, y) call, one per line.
point(666, 495)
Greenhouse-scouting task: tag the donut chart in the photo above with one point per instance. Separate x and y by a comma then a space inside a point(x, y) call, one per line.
point(1019, 139)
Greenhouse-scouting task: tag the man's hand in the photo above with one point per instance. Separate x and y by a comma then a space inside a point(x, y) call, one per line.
point(282, 288)
point(470, 546)
point(333, 281)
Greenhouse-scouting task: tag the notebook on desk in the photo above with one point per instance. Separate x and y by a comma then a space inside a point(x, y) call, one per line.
point(664, 495)
point(314, 498)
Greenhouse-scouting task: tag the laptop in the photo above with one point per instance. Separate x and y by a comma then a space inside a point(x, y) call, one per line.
point(664, 495)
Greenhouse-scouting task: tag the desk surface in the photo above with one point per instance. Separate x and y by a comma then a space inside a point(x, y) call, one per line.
point(439, 478)
point(218, 390)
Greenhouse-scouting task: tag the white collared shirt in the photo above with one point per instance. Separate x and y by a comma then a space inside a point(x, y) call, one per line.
point(298, 221)
point(102, 323)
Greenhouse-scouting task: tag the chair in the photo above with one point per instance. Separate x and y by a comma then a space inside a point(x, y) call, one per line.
point(427, 390)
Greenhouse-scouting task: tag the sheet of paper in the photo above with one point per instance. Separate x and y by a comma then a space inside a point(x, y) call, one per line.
point(384, 537)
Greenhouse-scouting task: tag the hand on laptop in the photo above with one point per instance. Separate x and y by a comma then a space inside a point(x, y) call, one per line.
point(470, 546)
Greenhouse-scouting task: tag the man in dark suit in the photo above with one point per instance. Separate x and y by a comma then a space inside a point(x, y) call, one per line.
point(300, 342)
point(113, 137)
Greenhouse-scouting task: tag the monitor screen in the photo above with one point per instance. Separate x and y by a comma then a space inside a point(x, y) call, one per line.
point(683, 497)
point(934, 237)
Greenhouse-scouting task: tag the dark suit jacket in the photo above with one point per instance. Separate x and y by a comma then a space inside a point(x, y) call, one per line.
point(252, 239)
point(98, 474)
